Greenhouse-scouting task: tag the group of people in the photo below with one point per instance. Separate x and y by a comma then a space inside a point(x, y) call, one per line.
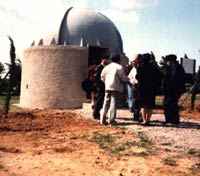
point(148, 78)
point(143, 79)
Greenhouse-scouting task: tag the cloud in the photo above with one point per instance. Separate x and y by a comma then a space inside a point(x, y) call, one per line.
point(26, 20)
point(131, 4)
point(121, 16)
point(33, 12)
point(96, 5)
point(79, 3)
point(110, 8)
point(118, 4)
point(117, 10)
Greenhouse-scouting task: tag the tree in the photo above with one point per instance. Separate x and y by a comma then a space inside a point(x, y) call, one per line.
point(11, 73)
point(2, 69)
point(17, 77)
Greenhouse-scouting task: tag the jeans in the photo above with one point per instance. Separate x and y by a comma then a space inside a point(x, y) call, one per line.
point(129, 95)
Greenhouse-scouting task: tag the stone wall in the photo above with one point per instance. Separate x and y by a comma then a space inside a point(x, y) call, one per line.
point(52, 76)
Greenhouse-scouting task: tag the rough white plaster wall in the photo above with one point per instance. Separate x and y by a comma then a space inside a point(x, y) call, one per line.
point(52, 76)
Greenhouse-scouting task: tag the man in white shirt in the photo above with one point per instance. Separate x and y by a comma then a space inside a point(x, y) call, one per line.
point(134, 82)
point(113, 76)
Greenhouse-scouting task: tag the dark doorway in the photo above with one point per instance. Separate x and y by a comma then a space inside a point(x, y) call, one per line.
point(96, 53)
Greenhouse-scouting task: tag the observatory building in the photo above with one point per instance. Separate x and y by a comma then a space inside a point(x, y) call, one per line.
point(55, 66)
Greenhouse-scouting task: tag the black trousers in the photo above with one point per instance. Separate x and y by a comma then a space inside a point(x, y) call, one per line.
point(98, 104)
point(136, 104)
point(171, 109)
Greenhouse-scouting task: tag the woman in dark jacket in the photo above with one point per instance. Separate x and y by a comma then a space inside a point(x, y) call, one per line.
point(148, 76)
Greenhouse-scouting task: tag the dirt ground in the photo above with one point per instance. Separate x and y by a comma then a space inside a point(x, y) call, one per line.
point(66, 143)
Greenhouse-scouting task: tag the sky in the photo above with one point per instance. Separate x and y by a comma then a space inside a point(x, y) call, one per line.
point(162, 26)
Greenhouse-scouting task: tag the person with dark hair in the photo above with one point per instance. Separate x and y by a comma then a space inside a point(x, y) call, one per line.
point(147, 76)
point(99, 87)
point(113, 76)
point(173, 87)
point(87, 84)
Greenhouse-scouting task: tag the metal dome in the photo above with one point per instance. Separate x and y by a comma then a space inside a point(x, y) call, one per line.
point(87, 27)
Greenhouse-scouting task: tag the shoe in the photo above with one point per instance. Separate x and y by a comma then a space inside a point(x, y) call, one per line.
point(96, 115)
point(131, 110)
point(136, 115)
point(164, 123)
point(175, 123)
point(170, 122)
point(135, 119)
point(140, 119)
point(145, 123)
point(113, 122)
point(104, 123)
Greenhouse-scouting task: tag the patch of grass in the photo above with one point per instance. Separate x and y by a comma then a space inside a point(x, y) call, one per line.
point(178, 147)
point(140, 154)
point(130, 143)
point(39, 135)
point(2, 101)
point(191, 152)
point(116, 147)
point(104, 141)
point(9, 150)
point(197, 165)
point(119, 148)
point(74, 137)
point(167, 144)
point(2, 167)
point(14, 100)
point(194, 152)
point(170, 161)
point(144, 140)
point(167, 150)
point(121, 128)
point(124, 146)
point(111, 144)
point(65, 149)
point(195, 168)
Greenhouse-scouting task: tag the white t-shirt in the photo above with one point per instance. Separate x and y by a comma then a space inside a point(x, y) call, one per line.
point(132, 75)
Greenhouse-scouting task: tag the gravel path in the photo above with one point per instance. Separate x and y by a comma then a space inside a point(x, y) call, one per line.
point(182, 137)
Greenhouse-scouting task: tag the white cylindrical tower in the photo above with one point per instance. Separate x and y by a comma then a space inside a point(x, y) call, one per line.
point(52, 76)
